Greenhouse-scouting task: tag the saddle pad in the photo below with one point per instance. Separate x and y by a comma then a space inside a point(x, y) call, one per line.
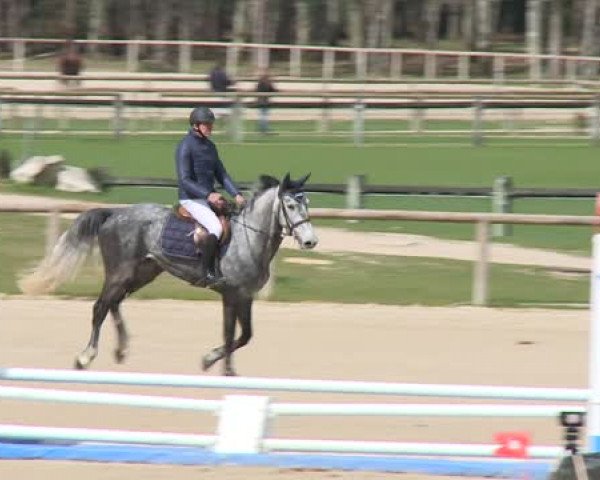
point(177, 238)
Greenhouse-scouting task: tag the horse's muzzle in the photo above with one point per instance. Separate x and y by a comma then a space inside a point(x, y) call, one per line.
point(310, 243)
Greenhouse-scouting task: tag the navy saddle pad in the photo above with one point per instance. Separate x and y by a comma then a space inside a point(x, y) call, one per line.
point(177, 238)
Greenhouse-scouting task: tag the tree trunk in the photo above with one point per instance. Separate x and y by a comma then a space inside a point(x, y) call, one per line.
point(453, 30)
point(355, 23)
point(240, 24)
point(136, 28)
point(162, 20)
point(258, 21)
point(302, 22)
point(96, 19)
point(534, 35)
point(589, 23)
point(482, 25)
point(14, 18)
point(432, 22)
point(185, 23)
point(272, 13)
point(468, 24)
point(70, 19)
point(555, 35)
point(333, 21)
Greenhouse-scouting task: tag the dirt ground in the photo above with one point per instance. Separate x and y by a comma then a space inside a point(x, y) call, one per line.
point(461, 345)
point(464, 345)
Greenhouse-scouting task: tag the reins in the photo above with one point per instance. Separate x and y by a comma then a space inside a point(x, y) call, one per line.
point(289, 225)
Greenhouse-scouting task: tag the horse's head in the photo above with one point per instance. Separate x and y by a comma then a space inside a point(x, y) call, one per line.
point(293, 212)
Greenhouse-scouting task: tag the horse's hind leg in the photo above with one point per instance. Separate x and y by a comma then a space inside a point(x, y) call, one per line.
point(145, 272)
point(122, 336)
point(112, 294)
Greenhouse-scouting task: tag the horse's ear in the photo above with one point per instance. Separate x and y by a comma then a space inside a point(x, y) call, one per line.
point(303, 180)
point(286, 183)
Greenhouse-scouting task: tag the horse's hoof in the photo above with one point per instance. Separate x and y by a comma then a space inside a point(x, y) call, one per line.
point(206, 364)
point(230, 372)
point(79, 365)
point(120, 355)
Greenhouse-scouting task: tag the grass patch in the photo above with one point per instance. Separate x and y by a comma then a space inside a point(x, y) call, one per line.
point(343, 278)
point(409, 160)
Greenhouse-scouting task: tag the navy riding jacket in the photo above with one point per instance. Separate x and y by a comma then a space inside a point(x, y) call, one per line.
point(198, 166)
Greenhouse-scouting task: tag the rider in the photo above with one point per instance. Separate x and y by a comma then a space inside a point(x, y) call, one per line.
point(198, 166)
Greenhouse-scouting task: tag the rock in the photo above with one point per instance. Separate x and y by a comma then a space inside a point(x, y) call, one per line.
point(75, 179)
point(39, 170)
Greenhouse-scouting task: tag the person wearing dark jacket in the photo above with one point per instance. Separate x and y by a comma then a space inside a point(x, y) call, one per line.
point(198, 168)
point(219, 80)
point(263, 86)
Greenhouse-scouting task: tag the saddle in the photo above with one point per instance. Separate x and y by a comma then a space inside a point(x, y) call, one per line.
point(223, 211)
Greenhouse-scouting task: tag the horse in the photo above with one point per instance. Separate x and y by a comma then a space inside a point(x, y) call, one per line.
point(129, 239)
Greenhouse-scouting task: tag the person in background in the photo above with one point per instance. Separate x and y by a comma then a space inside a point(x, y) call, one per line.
point(219, 80)
point(198, 167)
point(264, 86)
point(70, 64)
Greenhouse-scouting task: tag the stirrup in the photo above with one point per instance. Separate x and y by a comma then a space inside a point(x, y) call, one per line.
point(213, 279)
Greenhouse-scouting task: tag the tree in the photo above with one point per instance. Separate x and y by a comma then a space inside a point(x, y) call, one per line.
point(96, 22)
point(432, 22)
point(555, 35)
point(589, 34)
point(302, 22)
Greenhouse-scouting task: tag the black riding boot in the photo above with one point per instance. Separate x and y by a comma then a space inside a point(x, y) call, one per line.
point(209, 257)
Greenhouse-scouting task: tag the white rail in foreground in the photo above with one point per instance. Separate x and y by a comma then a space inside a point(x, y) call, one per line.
point(280, 384)
point(243, 419)
point(291, 409)
point(19, 432)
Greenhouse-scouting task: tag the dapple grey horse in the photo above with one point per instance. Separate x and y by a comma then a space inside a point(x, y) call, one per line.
point(129, 241)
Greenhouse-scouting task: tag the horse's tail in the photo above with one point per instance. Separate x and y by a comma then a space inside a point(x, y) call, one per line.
point(72, 248)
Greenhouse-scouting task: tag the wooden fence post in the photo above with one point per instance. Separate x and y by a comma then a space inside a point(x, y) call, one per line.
point(118, 116)
point(359, 122)
point(502, 203)
point(52, 229)
point(133, 56)
point(595, 130)
point(478, 122)
point(479, 293)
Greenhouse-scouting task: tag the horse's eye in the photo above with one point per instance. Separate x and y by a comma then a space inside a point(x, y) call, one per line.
point(291, 206)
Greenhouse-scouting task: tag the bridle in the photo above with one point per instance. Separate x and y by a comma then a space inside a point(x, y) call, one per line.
point(288, 221)
point(289, 225)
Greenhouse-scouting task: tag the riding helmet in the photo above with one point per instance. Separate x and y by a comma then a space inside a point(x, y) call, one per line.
point(201, 115)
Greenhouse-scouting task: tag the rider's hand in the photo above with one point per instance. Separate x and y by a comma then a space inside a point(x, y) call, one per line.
point(240, 200)
point(214, 198)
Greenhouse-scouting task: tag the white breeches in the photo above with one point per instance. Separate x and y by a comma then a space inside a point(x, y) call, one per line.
point(203, 215)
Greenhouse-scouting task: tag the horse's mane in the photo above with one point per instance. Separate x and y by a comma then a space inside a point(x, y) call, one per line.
point(264, 183)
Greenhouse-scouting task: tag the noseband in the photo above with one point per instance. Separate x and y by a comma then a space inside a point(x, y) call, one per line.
point(291, 226)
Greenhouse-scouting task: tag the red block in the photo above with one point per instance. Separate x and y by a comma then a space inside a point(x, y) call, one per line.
point(512, 444)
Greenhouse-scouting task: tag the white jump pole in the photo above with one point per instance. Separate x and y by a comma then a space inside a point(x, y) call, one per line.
point(593, 415)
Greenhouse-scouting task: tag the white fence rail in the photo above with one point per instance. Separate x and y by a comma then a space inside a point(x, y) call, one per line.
point(482, 221)
point(332, 58)
point(245, 407)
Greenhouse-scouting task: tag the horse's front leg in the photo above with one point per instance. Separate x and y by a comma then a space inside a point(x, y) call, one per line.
point(243, 313)
point(225, 350)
